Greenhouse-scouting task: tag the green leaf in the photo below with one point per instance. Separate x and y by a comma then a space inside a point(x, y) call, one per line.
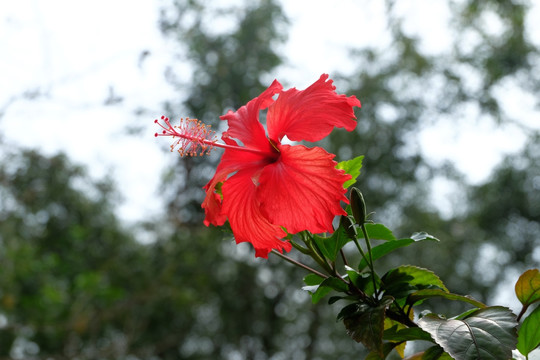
point(379, 232)
point(386, 349)
point(528, 287)
point(406, 334)
point(420, 295)
point(365, 323)
point(529, 333)
point(351, 167)
point(330, 246)
point(312, 279)
point(387, 247)
point(325, 287)
point(317, 292)
point(434, 353)
point(362, 281)
point(488, 333)
point(404, 280)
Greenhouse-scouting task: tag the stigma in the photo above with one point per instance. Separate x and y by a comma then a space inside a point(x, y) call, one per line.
point(194, 138)
point(191, 136)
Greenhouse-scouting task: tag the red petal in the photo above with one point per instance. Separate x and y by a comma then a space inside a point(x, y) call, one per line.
point(310, 114)
point(244, 124)
point(302, 190)
point(242, 207)
point(231, 161)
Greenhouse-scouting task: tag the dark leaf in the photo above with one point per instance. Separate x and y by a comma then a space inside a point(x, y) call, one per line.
point(488, 333)
point(429, 293)
point(365, 323)
point(404, 280)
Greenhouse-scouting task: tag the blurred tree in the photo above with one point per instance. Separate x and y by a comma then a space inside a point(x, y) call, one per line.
point(75, 284)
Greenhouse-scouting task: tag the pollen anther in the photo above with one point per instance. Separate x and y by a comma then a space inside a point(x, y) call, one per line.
point(191, 136)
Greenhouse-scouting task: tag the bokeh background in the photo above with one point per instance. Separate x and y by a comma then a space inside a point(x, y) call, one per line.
point(103, 254)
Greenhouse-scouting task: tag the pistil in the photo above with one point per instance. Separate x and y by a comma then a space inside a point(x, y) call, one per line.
point(194, 138)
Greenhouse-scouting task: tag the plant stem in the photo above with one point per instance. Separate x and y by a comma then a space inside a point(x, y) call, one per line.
point(299, 264)
point(315, 252)
point(343, 257)
point(522, 312)
point(370, 262)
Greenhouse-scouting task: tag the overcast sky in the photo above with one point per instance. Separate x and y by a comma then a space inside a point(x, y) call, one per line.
point(82, 61)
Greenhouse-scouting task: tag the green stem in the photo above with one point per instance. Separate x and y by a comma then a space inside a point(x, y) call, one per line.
point(522, 312)
point(299, 264)
point(343, 257)
point(315, 252)
point(370, 262)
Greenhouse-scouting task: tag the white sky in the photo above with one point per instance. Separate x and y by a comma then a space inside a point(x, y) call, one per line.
point(75, 51)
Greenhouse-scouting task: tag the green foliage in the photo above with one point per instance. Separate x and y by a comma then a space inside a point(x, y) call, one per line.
point(386, 248)
point(365, 323)
point(488, 333)
point(351, 167)
point(528, 292)
point(380, 311)
point(528, 287)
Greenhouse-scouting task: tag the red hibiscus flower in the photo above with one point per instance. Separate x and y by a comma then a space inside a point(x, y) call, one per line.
point(268, 188)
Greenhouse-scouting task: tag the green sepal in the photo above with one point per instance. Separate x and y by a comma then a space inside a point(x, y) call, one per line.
point(358, 206)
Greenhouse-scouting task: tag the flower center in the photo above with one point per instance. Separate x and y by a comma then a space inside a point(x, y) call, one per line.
point(193, 138)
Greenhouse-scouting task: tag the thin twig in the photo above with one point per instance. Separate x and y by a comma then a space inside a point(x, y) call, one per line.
point(299, 264)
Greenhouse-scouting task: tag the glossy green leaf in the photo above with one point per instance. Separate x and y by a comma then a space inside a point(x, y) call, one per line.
point(420, 295)
point(387, 247)
point(362, 281)
point(324, 288)
point(406, 334)
point(529, 333)
point(434, 353)
point(486, 334)
point(365, 323)
point(318, 292)
point(528, 287)
point(330, 246)
point(404, 280)
point(351, 167)
point(379, 232)
point(312, 279)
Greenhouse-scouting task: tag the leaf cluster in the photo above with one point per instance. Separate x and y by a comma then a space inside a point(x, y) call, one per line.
point(381, 311)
